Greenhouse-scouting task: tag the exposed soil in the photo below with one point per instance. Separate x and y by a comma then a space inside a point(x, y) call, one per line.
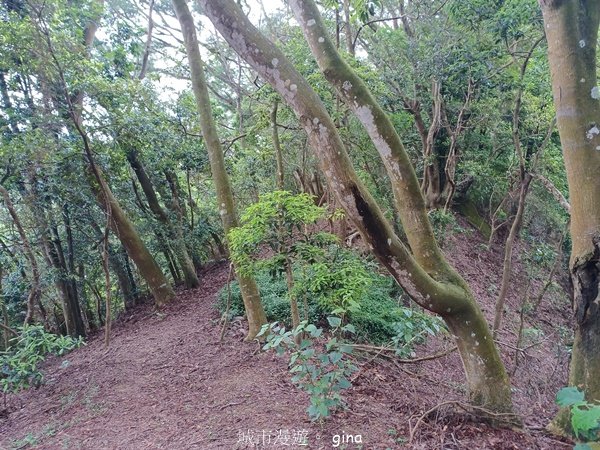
point(166, 382)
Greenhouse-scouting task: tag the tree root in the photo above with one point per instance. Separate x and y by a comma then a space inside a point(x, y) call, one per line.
point(506, 419)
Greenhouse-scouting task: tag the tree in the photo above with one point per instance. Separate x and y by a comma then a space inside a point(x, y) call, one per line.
point(250, 294)
point(419, 267)
point(72, 102)
point(174, 232)
point(572, 34)
point(34, 295)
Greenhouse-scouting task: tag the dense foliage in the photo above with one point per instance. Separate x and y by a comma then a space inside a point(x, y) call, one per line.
point(109, 192)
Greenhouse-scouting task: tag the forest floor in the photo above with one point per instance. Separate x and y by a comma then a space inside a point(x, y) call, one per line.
point(167, 382)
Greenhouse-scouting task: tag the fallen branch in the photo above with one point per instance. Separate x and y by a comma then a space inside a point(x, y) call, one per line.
point(518, 349)
point(227, 405)
point(381, 350)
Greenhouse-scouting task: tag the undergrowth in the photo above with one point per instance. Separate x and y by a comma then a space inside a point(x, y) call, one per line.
point(19, 364)
point(380, 318)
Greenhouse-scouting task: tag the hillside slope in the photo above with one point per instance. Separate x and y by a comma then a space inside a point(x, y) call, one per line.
point(166, 382)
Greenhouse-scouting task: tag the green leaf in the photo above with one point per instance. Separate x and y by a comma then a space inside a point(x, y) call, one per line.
point(344, 383)
point(334, 322)
point(584, 419)
point(323, 358)
point(323, 410)
point(334, 357)
point(305, 344)
point(349, 328)
point(582, 446)
point(569, 396)
point(308, 353)
point(310, 328)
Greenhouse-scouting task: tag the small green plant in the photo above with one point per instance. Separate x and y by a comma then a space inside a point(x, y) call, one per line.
point(531, 334)
point(280, 220)
point(19, 364)
point(585, 416)
point(338, 280)
point(29, 440)
point(321, 372)
point(413, 329)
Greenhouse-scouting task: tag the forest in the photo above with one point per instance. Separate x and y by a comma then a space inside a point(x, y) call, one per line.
point(288, 224)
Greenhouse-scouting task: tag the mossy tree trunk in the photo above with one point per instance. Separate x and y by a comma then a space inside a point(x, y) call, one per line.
point(174, 232)
point(421, 269)
point(136, 249)
point(572, 33)
point(116, 217)
point(249, 290)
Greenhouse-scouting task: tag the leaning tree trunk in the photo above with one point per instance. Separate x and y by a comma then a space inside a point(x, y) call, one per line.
point(117, 218)
point(135, 247)
point(176, 236)
point(572, 34)
point(422, 271)
point(35, 291)
point(249, 289)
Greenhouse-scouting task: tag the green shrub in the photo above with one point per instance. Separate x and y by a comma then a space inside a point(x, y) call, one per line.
point(274, 296)
point(379, 318)
point(321, 371)
point(19, 364)
point(337, 279)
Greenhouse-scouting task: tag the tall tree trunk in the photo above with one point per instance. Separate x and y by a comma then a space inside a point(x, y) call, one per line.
point(73, 323)
point(249, 289)
point(422, 271)
point(515, 229)
point(277, 146)
point(118, 264)
point(572, 34)
point(72, 308)
point(176, 237)
point(35, 291)
point(183, 227)
point(127, 289)
point(135, 247)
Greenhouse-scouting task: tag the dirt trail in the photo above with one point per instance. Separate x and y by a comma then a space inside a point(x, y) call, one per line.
point(168, 383)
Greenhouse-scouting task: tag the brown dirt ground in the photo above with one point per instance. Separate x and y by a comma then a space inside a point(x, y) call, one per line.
point(166, 382)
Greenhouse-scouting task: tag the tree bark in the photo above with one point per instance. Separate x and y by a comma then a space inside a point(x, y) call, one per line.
point(277, 146)
point(572, 33)
point(422, 271)
point(515, 229)
point(54, 256)
point(118, 265)
point(249, 290)
point(135, 247)
point(176, 237)
point(35, 291)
